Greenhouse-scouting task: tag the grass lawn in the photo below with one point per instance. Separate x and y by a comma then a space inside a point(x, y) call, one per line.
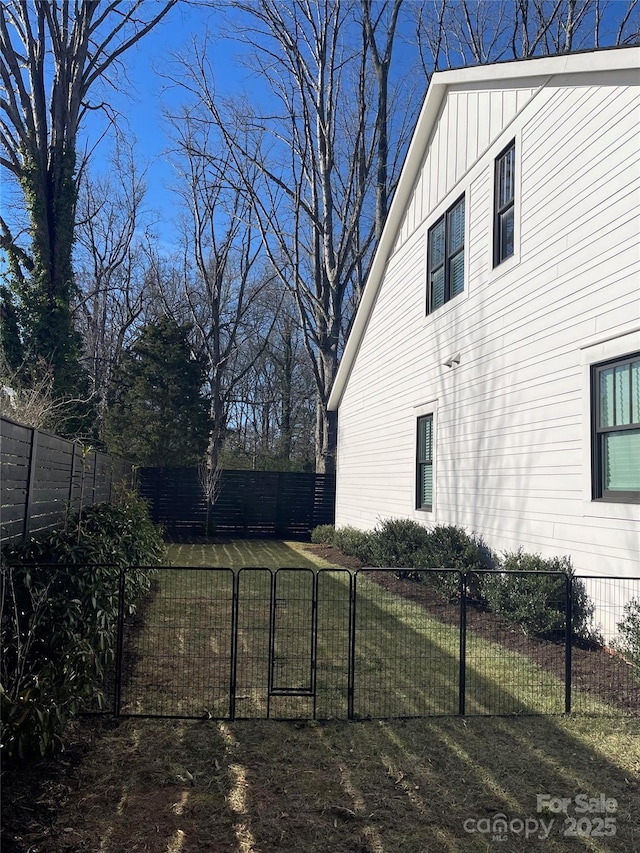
point(394, 786)
point(406, 661)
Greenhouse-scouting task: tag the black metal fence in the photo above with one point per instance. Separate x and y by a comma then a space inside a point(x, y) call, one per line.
point(44, 477)
point(303, 644)
point(248, 503)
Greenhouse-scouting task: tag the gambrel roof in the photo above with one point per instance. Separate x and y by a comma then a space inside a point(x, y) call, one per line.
point(422, 187)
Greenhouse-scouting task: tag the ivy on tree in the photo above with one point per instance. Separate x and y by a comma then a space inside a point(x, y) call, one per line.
point(158, 416)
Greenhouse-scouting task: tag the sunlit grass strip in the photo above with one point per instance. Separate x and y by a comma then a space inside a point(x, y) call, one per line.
point(240, 554)
point(498, 680)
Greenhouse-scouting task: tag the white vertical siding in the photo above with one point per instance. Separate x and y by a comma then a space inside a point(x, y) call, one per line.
point(511, 454)
point(469, 123)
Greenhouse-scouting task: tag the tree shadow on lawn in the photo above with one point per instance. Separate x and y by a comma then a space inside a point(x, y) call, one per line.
point(434, 784)
point(597, 675)
point(410, 786)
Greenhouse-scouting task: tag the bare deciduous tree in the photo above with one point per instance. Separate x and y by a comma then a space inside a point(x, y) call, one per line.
point(320, 156)
point(225, 291)
point(52, 54)
point(451, 33)
point(111, 265)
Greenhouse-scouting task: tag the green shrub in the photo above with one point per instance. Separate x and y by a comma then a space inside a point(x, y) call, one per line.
point(451, 547)
point(537, 602)
point(59, 598)
point(397, 542)
point(629, 628)
point(356, 543)
point(323, 534)
point(411, 547)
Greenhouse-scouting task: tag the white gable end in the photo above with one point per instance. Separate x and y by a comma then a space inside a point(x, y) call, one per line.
point(472, 118)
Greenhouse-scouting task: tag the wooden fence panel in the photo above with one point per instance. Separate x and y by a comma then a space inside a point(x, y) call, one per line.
point(249, 503)
point(44, 477)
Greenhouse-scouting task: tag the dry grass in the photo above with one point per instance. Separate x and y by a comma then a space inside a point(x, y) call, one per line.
point(383, 787)
point(256, 786)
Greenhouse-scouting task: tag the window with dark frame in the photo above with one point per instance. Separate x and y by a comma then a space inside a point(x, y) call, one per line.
point(445, 252)
point(504, 205)
point(424, 491)
point(615, 402)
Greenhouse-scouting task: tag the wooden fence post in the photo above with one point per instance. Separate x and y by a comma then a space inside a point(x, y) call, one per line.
point(95, 476)
point(33, 452)
point(73, 474)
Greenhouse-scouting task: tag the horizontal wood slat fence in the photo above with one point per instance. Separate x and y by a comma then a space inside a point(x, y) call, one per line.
point(44, 477)
point(249, 503)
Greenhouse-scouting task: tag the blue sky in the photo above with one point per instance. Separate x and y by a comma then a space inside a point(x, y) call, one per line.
point(140, 100)
point(140, 96)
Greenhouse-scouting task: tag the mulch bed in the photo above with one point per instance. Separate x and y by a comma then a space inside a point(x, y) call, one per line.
point(596, 670)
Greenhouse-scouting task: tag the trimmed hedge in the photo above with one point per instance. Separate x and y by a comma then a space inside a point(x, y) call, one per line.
point(535, 601)
point(629, 628)
point(59, 599)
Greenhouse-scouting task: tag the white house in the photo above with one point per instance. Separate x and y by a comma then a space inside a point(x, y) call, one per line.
point(492, 377)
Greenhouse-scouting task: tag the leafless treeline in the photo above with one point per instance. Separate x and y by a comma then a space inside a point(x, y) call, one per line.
point(280, 198)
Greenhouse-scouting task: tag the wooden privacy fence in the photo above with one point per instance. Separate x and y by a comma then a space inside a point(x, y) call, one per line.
point(249, 503)
point(44, 477)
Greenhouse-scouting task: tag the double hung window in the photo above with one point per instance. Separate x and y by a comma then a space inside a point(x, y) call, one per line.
point(504, 204)
point(446, 257)
point(616, 430)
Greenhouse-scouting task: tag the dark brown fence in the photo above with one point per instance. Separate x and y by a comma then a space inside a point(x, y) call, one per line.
point(249, 503)
point(44, 477)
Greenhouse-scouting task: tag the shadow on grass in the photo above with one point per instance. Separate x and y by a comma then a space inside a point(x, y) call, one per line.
point(432, 784)
point(411, 786)
point(406, 663)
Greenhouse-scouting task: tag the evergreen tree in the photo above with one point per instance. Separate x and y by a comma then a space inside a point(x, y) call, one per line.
point(158, 416)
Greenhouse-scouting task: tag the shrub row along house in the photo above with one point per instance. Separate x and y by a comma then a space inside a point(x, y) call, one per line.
point(492, 377)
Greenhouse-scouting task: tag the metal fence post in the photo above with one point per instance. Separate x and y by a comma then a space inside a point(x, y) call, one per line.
point(568, 631)
point(314, 642)
point(234, 647)
point(463, 644)
point(117, 693)
point(352, 648)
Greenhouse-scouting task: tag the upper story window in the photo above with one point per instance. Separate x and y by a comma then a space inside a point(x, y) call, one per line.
point(446, 257)
point(504, 205)
point(616, 430)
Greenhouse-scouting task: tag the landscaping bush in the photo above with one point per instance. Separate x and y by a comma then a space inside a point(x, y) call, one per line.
point(536, 602)
point(59, 599)
point(629, 628)
point(323, 534)
point(397, 543)
point(356, 543)
point(451, 547)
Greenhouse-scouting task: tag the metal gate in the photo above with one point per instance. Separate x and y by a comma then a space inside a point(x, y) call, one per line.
point(251, 644)
point(305, 644)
